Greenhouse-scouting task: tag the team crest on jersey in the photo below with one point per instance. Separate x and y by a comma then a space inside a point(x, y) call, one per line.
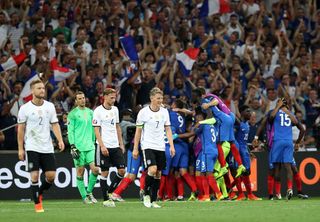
point(94, 121)
point(148, 162)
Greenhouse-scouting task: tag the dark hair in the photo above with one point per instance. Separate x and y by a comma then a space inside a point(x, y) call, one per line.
point(179, 103)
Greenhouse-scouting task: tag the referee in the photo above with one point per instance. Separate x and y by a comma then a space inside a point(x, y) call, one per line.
point(152, 122)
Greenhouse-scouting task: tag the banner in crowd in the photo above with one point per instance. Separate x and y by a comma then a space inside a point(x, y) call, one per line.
point(15, 181)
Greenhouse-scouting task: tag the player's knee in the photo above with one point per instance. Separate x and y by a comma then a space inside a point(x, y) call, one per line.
point(152, 170)
point(80, 171)
point(132, 176)
point(50, 178)
point(95, 170)
point(121, 171)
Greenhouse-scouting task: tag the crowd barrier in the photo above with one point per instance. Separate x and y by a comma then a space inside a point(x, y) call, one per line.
point(15, 182)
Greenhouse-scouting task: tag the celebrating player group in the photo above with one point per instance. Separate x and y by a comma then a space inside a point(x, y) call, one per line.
point(204, 147)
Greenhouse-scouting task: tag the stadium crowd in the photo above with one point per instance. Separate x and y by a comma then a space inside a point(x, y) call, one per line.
point(254, 54)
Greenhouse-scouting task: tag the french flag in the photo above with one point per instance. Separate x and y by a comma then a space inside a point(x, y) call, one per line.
point(12, 62)
point(129, 47)
point(26, 94)
point(186, 60)
point(211, 7)
point(60, 73)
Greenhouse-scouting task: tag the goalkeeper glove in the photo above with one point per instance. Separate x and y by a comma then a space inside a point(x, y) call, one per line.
point(75, 153)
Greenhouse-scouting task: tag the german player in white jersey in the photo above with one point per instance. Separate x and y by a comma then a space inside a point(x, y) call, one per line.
point(110, 148)
point(152, 122)
point(34, 140)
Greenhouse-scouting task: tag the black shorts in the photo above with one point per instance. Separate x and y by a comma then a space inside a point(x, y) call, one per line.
point(154, 158)
point(115, 158)
point(44, 161)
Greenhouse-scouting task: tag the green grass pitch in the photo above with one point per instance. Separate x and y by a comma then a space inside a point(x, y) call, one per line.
point(133, 210)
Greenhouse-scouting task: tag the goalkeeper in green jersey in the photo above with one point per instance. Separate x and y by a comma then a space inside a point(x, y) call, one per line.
point(82, 138)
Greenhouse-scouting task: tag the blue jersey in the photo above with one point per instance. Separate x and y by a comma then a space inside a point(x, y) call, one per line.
point(282, 126)
point(208, 137)
point(242, 133)
point(178, 124)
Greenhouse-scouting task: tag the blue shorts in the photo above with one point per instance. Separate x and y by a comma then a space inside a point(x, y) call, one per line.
point(181, 158)
point(133, 165)
point(281, 151)
point(245, 156)
point(208, 161)
point(199, 162)
point(166, 171)
point(271, 166)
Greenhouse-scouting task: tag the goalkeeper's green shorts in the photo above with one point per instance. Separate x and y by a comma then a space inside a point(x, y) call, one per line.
point(86, 157)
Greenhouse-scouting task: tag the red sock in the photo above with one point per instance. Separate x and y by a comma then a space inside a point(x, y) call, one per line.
point(191, 183)
point(213, 184)
point(221, 158)
point(205, 185)
point(297, 180)
point(143, 180)
point(232, 184)
point(238, 185)
point(170, 184)
point(247, 183)
point(123, 185)
point(162, 186)
point(199, 185)
point(236, 154)
point(277, 186)
point(227, 181)
point(289, 184)
point(180, 186)
point(270, 184)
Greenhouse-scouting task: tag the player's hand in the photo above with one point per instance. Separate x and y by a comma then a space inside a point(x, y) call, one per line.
point(296, 147)
point(21, 154)
point(135, 154)
point(74, 152)
point(172, 151)
point(205, 106)
point(104, 151)
point(122, 148)
point(61, 146)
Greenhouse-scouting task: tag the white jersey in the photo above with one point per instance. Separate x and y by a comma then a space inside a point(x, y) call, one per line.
point(153, 124)
point(107, 120)
point(38, 120)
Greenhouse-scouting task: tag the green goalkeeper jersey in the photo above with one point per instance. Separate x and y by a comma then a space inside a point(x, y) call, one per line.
point(80, 129)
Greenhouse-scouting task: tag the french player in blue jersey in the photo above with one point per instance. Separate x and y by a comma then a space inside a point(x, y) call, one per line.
point(242, 131)
point(226, 129)
point(209, 154)
point(282, 149)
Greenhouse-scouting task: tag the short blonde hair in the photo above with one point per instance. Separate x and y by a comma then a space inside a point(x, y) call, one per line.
point(108, 91)
point(34, 82)
point(155, 91)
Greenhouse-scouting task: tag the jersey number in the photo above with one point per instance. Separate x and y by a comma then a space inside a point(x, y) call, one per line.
point(40, 123)
point(285, 120)
point(157, 124)
point(112, 122)
point(180, 119)
point(213, 133)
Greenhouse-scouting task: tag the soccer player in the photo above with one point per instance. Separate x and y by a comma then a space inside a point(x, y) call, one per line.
point(110, 148)
point(152, 121)
point(81, 138)
point(282, 121)
point(209, 153)
point(34, 119)
point(242, 140)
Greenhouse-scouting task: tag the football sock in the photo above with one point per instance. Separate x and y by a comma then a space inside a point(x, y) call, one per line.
point(236, 154)
point(81, 187)
point(191, 183)
point(155, 188)
point(270, 184)
point(180, 187)
point(213, 184)
point(35, 192)
point(143, 180)
point(199, 185)
point(289, 184)
point(123, 185)
point(92, 182)
point(44, 186)
point(149, 183)
point(170, 183)
point(205, 185)
point(238, 185)
point(221, 157)
point(277, 186)
point(297, 180)
point(223, 187)
point(104, 187)
point(247, 183)
point(162, 186)
point(115, 182)
point(227, 181)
